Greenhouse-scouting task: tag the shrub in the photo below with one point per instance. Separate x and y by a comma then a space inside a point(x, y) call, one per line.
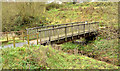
point(24, 58)
point(52, 6)
point(16, 16)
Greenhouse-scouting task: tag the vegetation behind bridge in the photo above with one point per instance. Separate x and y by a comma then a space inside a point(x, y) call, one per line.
point(19, 16)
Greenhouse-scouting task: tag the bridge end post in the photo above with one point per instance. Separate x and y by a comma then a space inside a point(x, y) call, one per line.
point(23, 35)
point(89, 28)
point(40, 37)
point(7, 36)
point(14, 41)
point(78, 31)
point(72, 31)
point(49, 37)
point(58, 36)
point(28, 39)
point(84, 29)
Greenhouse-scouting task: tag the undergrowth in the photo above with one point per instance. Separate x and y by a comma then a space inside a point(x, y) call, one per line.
point(101, 49)
point(45, 57)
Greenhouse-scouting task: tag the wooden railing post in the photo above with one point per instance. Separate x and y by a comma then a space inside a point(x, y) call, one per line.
point(72, 31)
point(36, 30)
point(84, 29)
point(49, 36)
point(40, 37)
point(23, 35)
point(14, 41)
point(28, 39)
point(37, 38)
point(65, 33)
point(7, 36)
point(78, 31)
point(89, 27)
point(93, 26)
point(58, 36)
point(53, 31)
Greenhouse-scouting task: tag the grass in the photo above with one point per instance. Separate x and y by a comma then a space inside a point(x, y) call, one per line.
point(45, 57)
point(105, 13)
point(101, 49)
point(69, 45)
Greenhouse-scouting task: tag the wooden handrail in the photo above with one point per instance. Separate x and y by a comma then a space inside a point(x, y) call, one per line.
point(64, 27)
point(53, 25)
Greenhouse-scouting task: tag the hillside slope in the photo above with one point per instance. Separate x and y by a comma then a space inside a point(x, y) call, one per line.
point(105, 13)
point(45, 57)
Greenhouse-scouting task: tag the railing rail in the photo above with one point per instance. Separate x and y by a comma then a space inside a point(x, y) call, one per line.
point(53, 25)
point(65, 26)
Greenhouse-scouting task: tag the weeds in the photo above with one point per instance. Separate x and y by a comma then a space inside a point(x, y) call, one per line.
point(45, 57)
point(53, 6)
point(57, 14)
point(101, 49)
point(35, 57)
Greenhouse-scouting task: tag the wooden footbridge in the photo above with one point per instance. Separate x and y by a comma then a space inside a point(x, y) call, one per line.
point(62, 32)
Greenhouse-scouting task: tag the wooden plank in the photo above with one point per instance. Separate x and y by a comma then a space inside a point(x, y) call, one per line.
point(54, 25)
point(72, 31)
point(89, 26)
point(7, 37)
point(49, 36)
point(53, 31)
point(65, 33)
point(78, 30)
point(58, 35)
point(84, 29)
point(40, 37)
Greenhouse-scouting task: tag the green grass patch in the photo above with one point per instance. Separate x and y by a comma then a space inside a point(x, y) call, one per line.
point(45, 57)
point(100, 48)
point(69, 45)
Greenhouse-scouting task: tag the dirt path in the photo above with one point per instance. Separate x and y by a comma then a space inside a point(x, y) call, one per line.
point(19, 44)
